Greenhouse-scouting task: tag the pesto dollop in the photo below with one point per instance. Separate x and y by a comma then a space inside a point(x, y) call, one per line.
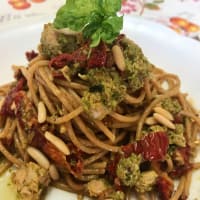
point(177, 136)
point(137, 66)
point(106, 91)
point(172, 105)
point(128, 169)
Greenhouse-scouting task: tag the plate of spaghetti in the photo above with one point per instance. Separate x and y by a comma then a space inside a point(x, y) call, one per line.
point(98, 112)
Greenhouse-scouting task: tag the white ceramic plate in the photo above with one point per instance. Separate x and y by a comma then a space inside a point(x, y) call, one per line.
point(162, 46)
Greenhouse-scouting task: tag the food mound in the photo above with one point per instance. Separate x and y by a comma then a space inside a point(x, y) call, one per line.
point(90, 114)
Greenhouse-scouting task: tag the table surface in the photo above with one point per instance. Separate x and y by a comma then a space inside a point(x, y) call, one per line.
point(183, 16)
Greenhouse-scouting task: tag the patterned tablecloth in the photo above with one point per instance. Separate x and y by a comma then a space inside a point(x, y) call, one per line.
point(182, 16)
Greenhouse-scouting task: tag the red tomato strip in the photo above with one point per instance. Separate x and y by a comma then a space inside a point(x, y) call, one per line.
point(152, 147)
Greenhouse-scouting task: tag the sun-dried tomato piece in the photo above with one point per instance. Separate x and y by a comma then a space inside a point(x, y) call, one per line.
point(119, 38)
point(7, 141)
point(6, 109)
point(38, 140)
point(78, 56)
point(98, 56)
point(117, 184)
point(112, 166)
point(25, 111)
point(75, 159)
point(58, 75)
point(61, 60)
point(81, 55)
point(185, 153)
point(180, 170)
point(164, 187)
point(111, 172)
point(72, 163)
point(128, 149)
point(152, 147)
point(178, 119)
point(30, 55)
point(131, 148)
point(57, 156)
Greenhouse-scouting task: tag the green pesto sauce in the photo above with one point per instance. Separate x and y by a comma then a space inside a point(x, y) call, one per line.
point(176, 137)
point(157, 128)
point(137, 66)
point(118, 195)
point(106, 90)
point(128, 170)
point(172, 105)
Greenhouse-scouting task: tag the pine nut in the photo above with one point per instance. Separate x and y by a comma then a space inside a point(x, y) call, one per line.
point(42, 114)
point(197, 142)
point(118, 57)
point(57, 142)
point(150, 121)
point(39, 157)
point(164, 113)
point(63, 129)
point(164, 121)
point(53, 172)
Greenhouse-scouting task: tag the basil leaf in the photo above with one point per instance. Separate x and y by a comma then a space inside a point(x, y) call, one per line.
point(97, 19)
point(75, 14)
